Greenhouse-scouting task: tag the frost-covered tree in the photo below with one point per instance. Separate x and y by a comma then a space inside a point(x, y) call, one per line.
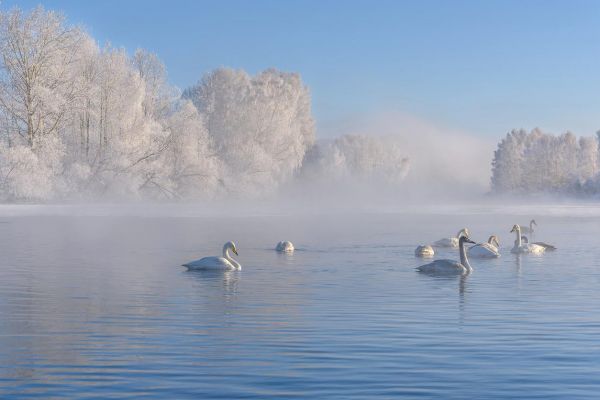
point(260, 126)
point(538, 162)
point(38, 85)
point(159, 95)
point(507, 165)
point(80, 121)
point(189, 166)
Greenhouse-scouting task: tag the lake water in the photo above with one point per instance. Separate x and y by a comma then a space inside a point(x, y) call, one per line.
point(97, 306)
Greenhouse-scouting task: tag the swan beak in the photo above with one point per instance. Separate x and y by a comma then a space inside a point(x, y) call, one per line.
point(469, 241)
point(235, 251)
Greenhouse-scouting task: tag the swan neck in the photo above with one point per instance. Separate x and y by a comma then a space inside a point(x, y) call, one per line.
point(463, 257)
point(518, 233)
point(226, 256)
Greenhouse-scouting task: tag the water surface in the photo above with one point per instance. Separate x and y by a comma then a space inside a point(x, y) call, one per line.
point(98, 307)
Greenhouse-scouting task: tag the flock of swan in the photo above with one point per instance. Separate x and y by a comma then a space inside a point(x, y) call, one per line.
point(489, 249)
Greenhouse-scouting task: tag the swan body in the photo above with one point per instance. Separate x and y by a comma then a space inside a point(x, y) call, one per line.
point(424, 251)
point(452, 241)
point(450, 267)
point(285, 247)
point(529, 229)
point(486, 250)
point(521, 248)
point(547, 246)
point(217, 263)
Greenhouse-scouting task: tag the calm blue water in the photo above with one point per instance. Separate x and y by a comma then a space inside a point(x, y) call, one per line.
point(97, 307)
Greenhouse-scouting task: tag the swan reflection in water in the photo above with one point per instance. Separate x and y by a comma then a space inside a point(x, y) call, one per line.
point(209, 280)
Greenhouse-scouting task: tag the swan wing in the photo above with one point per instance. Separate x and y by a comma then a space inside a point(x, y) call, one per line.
point(484, 250)
point(547, 246)
point(535, 248)
point(424, 251)
point(446, 242)
point(285, 247)
point(210, 263)
point(443, 267)
point(529, 248)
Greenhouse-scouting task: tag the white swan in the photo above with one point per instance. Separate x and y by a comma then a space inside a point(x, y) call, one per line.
point(548, 247)
point(424, 251)
point(486, 250)
point(521, 247)
point(225, 262)
point(450, 267)
point(285, 247)
point(453, 241)
point(525, 229)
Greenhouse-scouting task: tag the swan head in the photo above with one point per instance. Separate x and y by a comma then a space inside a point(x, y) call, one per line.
point(465, 239)
point(463, 232)
point(494, 240)
point(532, 222)
point(515, 228)
point(230, 246)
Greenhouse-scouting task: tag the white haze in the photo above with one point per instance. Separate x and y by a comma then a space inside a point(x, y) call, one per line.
point(442, 160)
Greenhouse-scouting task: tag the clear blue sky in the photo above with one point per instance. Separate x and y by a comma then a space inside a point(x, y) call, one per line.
point(479, 66)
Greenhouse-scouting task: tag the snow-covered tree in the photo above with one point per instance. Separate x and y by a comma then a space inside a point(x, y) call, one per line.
point(38, 86)
point(538, 162)
point(260, 126)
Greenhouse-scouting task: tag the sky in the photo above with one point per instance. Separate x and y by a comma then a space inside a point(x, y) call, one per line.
point(476, 67)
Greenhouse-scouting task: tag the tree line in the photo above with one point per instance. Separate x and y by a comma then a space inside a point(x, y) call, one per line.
point(84, 121)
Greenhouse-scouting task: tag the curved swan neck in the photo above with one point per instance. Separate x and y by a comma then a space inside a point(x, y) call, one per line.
point(463, 256)
point(493, 240)
point(531, 226)
point(226, 256)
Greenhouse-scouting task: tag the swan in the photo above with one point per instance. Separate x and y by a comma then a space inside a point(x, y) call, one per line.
point(450, 267)
point(285, 247)
point(424, 251)
point(453, 241)
point(525, 229)
point(486, 250)
point(548, 247)
point(521, 247)
point(225, 262)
